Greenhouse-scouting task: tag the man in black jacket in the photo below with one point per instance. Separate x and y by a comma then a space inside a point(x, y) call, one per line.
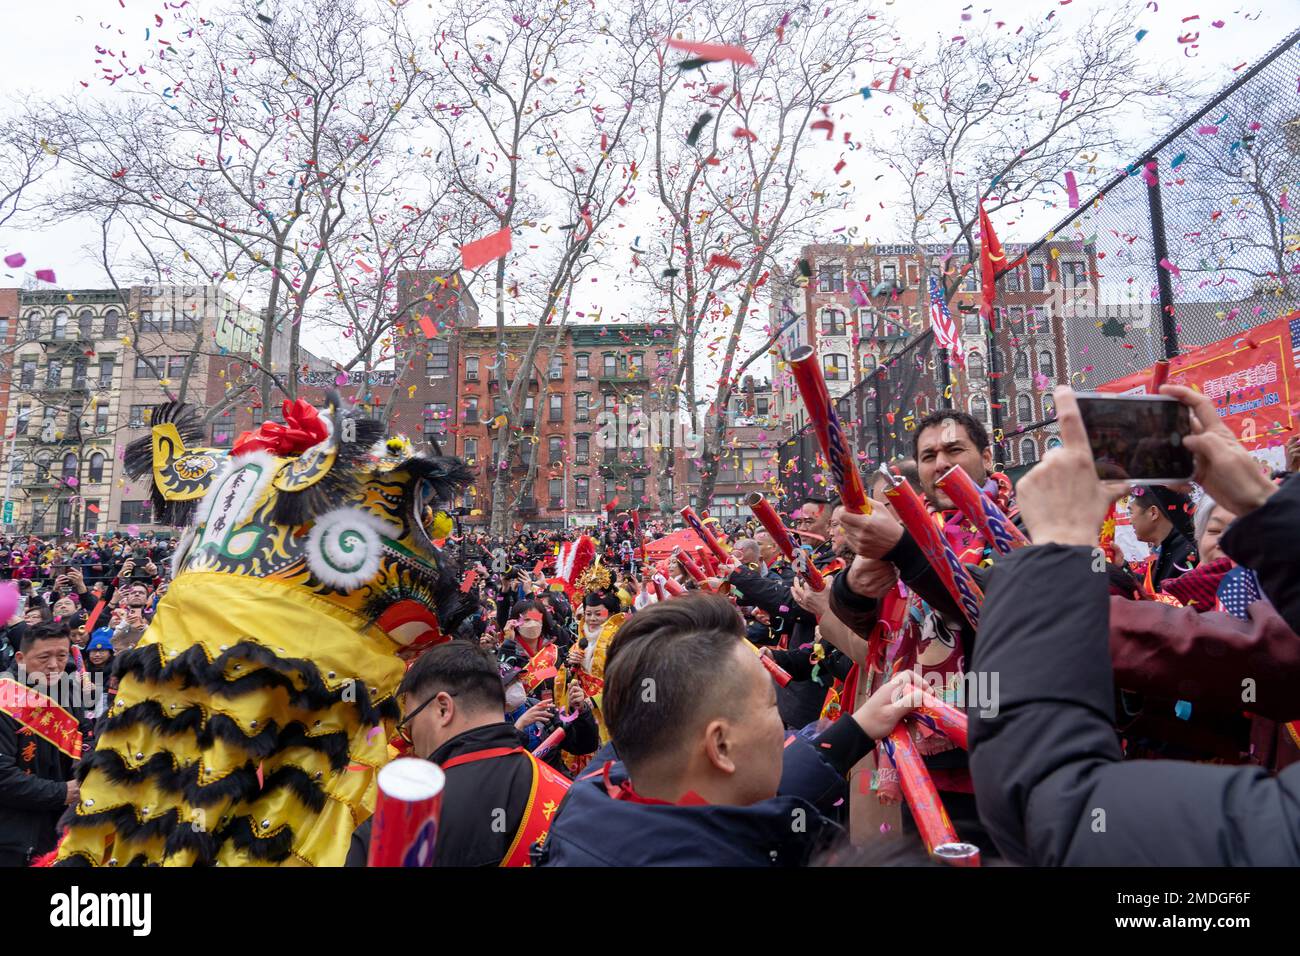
point(39, 745)
point(454, 707)
point(1050, 782)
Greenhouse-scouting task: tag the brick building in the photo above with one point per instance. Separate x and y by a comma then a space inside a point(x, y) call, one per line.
point(749, 460)
point(65, 357)
point(860, 306)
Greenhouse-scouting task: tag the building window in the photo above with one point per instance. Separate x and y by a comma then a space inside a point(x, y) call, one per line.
point(1036, 279)
point(137, 512)
point(832, 322)
point(609, 365)
point(1016, 315)
point(830, 278)
point(1011, 281)
point(27, 378)
point(110, 324)
point(889, 274)
point(979, 408)
point(1022, 364)
point(91, 522)
point(439, 358)
point(1028, 453)
point(970, 322)
point(85, 325)
point(187, 321)
point(555, 492)
point(79, 373)
point(581, 449)
point(636, 365)
point(142, 369)
point(582, 402)
point(435, 420)
point(761, 406)
point(175, 368)
point(862, 276)
point(471, 368)
point(836, 368)
point(1042, 323)
point(556, 370)
point(556, 408)
point(638, 490)
point(582, 365)
point(34, 325)
point(471, 409)
point(530, 411)
point(610, 402)
point(60, 325)
point(581, 492)
point(106, 373)
point(1024, 409)
point(1045, 364)
point(975, 366)
point(24, 417)
point(1049, 407)
point(223, 427)
point(1076, 275)
point(101, 418)
point(53, 374)
point(555, 449)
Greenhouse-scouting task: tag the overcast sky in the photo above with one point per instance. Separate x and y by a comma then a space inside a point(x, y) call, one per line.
point(48, 47)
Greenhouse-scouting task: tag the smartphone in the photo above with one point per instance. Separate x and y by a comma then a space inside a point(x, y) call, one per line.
point(1138, 438)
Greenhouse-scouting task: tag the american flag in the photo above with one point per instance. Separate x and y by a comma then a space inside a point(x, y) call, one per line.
point(945, 329)
point(1238, 590)
point(1295, 340)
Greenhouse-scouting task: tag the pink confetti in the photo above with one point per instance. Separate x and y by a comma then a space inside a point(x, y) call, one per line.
point(133, 530)
point(46, 275)
point(1071, 189)
point(15, 260)
point(1173, 269)
point(341, 378)
point(1207, 130)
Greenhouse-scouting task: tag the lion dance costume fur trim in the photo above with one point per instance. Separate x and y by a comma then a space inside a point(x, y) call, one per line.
point(253, 716)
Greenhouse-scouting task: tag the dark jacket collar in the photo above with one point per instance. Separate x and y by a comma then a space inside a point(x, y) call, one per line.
point(480, 738)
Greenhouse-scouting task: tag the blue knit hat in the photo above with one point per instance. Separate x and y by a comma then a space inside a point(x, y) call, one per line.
point(101, 640)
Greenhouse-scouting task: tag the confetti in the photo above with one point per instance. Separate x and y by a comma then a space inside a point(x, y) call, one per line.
point(46, 275)
point(1071, 189)
point(485, 250)
point(693, 136)
point(713, 51)
point(15, 260)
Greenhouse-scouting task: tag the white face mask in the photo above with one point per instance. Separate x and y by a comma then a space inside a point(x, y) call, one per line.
point(515, 695)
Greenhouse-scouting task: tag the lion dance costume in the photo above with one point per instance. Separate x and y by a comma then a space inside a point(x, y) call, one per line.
point(253, 716)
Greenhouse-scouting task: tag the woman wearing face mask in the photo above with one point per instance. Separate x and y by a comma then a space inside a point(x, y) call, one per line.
point(536, 719)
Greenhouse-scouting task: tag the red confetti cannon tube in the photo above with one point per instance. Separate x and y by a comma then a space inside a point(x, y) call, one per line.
point(665, 583)
point(707, 559)
point(407, 809)
point(911, 512)
point(711, 542)
point(992, 523)
point(770, 520)
point(550, 743)
point(779, 673)
point(830, 433)
point(945, 718)
point(690, 567)
point(923, 800)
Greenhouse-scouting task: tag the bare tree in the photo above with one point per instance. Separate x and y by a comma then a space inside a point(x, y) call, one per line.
point(251, 153)
point(537, 115)
point(733, 177)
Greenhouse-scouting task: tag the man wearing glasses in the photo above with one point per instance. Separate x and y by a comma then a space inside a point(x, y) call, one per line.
point(454, 707)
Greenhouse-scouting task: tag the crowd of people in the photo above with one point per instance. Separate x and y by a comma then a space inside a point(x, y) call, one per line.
point(1137, 713)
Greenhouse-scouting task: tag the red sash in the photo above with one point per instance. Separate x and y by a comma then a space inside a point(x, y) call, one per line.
point(540, 668)
point(41, 716)
point(544, 795)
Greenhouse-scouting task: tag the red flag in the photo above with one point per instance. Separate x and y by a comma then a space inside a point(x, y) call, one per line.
point(991, 257)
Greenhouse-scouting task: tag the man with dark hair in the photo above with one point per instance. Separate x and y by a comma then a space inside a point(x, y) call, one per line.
point(706, 777)
point(40, 741)
point(495, 804)
point(944, 439)
point(1161, 518)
